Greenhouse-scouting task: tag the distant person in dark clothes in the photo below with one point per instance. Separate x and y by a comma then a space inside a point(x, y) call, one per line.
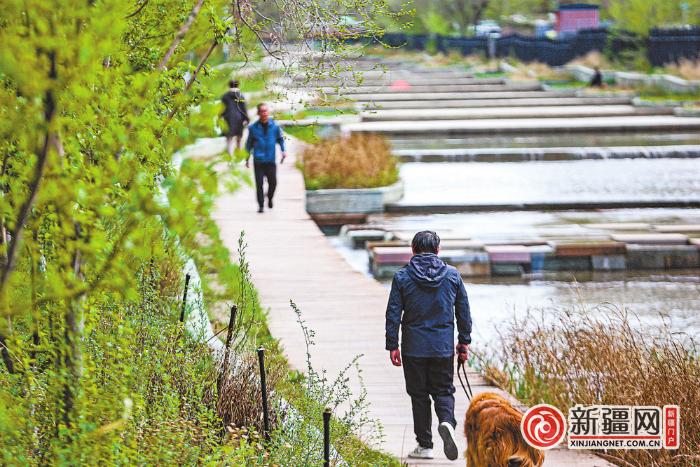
point(263, 137)
point(235, 114)
point(426, 297)
point(597, 80)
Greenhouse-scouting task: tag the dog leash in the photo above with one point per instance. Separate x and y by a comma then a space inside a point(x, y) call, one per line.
point(460, 371)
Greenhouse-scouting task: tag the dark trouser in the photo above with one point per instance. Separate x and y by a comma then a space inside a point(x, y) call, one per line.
point(265, 170)
point(424, 377)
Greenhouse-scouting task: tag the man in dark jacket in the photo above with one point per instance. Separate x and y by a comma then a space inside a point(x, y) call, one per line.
point(263, 138)
point(426, 297)
point(236, 115)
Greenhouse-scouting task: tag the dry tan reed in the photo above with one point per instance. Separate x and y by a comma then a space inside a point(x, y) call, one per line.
point(603, 356)
point(686, 69)
point(357, 161)
point(534, 70)
point(591, 60)
point(240, 398)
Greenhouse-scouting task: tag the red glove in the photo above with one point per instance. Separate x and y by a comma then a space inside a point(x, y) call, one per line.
point(462, 354)
point(395, 356)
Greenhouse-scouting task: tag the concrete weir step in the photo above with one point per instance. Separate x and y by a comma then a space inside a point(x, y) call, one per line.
point(545, 100)
point(511, 112)
point(412, 80)
point(397, 87)
point(449, 96)
point(527, 126)
point(547, 154)
point(398, 208)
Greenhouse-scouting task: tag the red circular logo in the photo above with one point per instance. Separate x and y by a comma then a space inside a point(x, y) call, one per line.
point(543, 426)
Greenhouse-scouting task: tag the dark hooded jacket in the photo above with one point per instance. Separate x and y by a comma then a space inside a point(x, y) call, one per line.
point(426, 297)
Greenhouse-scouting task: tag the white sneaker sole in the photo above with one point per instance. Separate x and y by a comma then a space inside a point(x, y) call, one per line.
point(420, 457)
point(449, 442)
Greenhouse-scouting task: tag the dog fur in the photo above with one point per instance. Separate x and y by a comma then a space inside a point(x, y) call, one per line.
point(492, 427)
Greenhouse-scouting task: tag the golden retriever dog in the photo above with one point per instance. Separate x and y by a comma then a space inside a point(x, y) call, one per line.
point(492, 427)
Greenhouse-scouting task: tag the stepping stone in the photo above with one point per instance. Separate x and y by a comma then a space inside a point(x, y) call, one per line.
point(358, 238)
point(567, 263)
point(391, 255)
point(468, 263)
point(508, 254)
point(609, 263)
point(663, 257)
point(652, 239)
point(588, 248)
point(538, 253)
point(461, 244)
point(507, 269)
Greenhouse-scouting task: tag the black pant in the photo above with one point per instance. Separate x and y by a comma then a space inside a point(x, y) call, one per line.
point(424, 377)
point(265, 170)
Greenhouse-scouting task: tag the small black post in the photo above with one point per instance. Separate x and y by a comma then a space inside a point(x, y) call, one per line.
point(327, 437)
point(184, 298)
point(263, 386)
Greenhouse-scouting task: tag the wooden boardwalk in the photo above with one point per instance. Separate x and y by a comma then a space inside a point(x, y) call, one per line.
point(291, 259)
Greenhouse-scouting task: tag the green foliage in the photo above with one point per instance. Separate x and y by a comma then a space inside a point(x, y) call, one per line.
point(96, 222)
point(306, 133)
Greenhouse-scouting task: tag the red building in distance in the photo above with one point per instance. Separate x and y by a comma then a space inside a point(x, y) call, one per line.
point(572, 17)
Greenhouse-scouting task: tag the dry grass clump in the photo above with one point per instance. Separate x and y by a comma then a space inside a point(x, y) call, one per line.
point(240, 398)
point(686, 69)
point(603, 356)
point(357, 161)
point(534, 70)
point(591, 60)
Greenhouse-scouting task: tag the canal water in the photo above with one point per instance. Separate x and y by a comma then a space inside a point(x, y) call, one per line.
point(561, 181)
point(656, 298)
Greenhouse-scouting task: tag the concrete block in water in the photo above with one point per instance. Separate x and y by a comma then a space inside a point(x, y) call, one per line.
point(567, 263)
point(663, 257)
point(588, 248)
point(352, 201)
point(359, 238)
point(508, 254)
point(385, 271)
point(391, 255)
point(652, 239)
point(468, 263)
point(608, 263)
point(537, 255)
point(507, 269)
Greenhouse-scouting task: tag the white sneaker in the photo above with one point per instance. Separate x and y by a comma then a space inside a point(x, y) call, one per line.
point(421, 453)
point(447, 433)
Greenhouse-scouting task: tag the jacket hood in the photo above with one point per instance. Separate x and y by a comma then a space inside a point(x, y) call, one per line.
point(427, 269)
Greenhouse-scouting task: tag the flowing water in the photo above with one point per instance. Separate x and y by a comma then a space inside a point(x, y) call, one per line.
point(657, 298)
point(580, 180)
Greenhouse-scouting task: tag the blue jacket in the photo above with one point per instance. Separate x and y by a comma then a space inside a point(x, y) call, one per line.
point(261, 141)
point(430, 294)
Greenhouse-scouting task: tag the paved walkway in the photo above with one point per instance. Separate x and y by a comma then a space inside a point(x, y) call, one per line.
point(291, 259)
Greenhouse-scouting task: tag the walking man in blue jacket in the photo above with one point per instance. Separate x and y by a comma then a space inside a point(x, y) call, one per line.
point(263, 137)
point(426, 297)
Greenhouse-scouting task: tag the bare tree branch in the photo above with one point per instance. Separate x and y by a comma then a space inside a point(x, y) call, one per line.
point(181, 34)
point(138, 10)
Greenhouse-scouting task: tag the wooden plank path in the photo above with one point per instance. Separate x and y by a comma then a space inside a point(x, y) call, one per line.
point(290, 258)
